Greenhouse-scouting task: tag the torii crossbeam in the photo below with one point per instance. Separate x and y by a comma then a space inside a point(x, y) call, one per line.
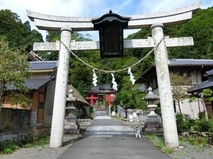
point(155, 21)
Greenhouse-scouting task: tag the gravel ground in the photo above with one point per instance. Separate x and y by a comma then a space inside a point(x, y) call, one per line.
point(188, 151)
point(42, 152)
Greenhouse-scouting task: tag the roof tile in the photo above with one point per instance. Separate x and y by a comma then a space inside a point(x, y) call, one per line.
point(42, 65)
point(36, 82)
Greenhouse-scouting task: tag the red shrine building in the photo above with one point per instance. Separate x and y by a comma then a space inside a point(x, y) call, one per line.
point(101, 95)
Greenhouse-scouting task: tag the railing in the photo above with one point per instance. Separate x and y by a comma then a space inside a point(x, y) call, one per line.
point(84, 123)
point(121, 111)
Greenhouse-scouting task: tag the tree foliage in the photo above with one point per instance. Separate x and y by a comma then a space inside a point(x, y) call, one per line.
point(13, 72)
point(18, 35)
point(81, 75)
point(208, 94)
point(130, 99)
point(200, 27)
point(180, 84)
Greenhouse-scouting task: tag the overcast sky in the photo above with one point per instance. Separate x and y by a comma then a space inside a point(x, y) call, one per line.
point(94, 8)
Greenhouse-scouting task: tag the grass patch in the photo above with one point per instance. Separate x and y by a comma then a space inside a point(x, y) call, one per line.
point(9, 147)
point(39, 143)
point(158, 141)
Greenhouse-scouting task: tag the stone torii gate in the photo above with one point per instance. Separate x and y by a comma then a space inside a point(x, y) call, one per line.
point(155, 21)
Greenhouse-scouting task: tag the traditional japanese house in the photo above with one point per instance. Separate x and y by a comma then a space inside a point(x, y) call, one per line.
point(197, 91)
point(194, 68)
point(41, 87)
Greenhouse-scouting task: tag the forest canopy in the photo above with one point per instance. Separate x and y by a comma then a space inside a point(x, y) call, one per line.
point(19, 35)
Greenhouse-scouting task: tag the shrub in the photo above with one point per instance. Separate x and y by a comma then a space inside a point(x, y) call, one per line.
point(203, 141)
point(203, 125)
point(210, 125)
point(7, 151)
point(183, 125)
point(201, 115)
point(8, 147)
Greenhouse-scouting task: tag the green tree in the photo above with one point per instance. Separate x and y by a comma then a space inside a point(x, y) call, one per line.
point(200, 28)
point(13, 72)
point(208, 94)
point(130, 99)
point(180, 83)
point(18, 35)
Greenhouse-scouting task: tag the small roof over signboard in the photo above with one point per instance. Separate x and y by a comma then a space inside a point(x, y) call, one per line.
point(111, 17)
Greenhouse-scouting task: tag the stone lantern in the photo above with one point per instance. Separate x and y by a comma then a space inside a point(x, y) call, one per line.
point(70, 108)
point(153, 123)
point(110, 28)
point(151, 98)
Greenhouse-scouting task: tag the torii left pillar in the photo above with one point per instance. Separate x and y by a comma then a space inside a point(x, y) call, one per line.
point(57, 127)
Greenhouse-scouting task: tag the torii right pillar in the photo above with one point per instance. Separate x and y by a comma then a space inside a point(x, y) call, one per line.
point(164, 86)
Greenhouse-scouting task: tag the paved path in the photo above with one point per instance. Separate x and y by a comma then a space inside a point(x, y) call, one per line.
point(111, 139)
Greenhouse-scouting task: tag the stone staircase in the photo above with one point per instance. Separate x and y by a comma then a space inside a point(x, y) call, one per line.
point(99, 108)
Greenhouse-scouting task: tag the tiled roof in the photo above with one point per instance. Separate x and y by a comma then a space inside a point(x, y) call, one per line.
point(42, 65)
point(205, 84)
point(180, 63)
point(190, 62)
point(36, 82)
point(209, 73)
point(201, 86)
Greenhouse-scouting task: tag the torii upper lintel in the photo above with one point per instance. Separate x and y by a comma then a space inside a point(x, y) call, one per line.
point(176, 16)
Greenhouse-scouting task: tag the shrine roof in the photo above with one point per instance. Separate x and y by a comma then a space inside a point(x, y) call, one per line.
point(76, 95)
point(42, 65)
point(103, 88)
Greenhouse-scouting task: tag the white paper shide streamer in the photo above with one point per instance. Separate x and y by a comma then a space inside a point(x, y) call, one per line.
point(94, 78)
point(131, 76)
point(114, 84)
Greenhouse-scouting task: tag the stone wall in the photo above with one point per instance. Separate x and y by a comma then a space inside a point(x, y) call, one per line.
point(16, 124)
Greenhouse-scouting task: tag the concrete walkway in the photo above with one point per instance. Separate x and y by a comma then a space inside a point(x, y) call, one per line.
point(111, 139)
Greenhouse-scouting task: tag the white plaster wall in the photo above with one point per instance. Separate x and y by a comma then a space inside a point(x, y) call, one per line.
point(191, 109)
